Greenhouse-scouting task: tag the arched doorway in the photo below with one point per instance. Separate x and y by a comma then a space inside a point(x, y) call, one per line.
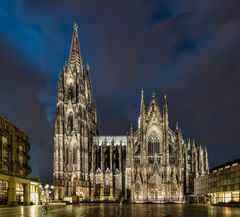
point(98, 187)
point(174, 191)
point(74, 186)
point(155, 190)
point(116, 187)
point(107, 187)
point(138, 192)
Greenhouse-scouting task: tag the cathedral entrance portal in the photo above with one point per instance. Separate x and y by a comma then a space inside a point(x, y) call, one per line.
point(138, 192)
point(174, 191)
point(97, 190)
point(155, 189)
point(74, 188)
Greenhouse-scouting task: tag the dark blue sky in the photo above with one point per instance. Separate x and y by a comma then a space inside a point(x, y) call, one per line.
point(187, 49)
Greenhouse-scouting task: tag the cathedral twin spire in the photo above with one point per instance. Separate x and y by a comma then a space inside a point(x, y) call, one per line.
point(153, 101)
point(142, 106)
point(75, 53)
point(153, 105)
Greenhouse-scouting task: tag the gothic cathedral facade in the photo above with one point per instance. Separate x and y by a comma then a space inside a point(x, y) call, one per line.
point(151, 164)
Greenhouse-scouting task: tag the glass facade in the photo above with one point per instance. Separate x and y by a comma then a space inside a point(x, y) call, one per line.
point(19, 193)
point(221, 185)
point(34, 194)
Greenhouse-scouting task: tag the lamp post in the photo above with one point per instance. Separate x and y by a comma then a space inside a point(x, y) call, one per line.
point(46, 192)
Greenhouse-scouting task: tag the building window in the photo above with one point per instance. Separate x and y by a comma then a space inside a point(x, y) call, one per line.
point(20, 148)
point(137, 160)
point(70, 93)
point(33, 193)
point(153, 144)
point(20, 161)
point(3, 192)
point(4, 126)
point(97, 189)
point(5, 152)
point(70, 121)
point(174, 189)
point(66, 155)
point(19, 193)
point(235, 196)
point(107, 188)
point(172, 155)
point(74, 155)
point(151, 160)
point(33, 188)
point(4, 140)
point(137, 187)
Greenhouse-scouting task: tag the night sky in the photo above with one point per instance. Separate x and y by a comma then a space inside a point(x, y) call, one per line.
point(188, 50)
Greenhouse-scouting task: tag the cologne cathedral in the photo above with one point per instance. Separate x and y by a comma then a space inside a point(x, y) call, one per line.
point(150, 164)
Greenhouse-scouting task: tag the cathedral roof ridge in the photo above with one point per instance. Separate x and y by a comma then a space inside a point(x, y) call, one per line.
point(108, 136)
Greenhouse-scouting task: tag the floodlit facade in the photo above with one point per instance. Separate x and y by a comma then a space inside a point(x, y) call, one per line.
point(151, 164)
point(16, 187)
point(221, 185)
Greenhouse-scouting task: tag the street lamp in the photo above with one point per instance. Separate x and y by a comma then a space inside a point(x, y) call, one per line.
point(46, 191)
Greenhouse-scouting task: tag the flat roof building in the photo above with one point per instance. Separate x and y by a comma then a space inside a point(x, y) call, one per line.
point(16, 187)
point(221, 185)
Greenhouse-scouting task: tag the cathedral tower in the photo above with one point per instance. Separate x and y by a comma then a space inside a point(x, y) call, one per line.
point(75, 125)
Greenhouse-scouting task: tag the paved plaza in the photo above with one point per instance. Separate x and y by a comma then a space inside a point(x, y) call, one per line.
point(116, 210)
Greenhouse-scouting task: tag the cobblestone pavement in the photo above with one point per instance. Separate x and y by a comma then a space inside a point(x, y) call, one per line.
point(116, 210)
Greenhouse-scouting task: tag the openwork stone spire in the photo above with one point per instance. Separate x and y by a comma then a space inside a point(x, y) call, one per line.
point(142, 106)
point(75, 53)
point(165, 107)
point(142, 111)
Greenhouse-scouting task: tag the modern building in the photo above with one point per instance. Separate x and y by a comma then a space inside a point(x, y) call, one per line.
point(16, 187)
point(221, 185)
point(151, 164)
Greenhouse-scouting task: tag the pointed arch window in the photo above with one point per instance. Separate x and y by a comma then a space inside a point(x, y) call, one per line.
point(66, 155)
point(138, 187)
point(172, 154)
point(153, 144)
point(80, 113)
point(70, 93)
point(70, 121)
point(74, 154)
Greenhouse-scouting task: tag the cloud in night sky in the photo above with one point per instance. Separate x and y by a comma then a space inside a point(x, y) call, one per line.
point(188, 50)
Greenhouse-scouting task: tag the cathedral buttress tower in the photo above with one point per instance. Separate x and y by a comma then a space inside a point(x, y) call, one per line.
point(75, 125)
